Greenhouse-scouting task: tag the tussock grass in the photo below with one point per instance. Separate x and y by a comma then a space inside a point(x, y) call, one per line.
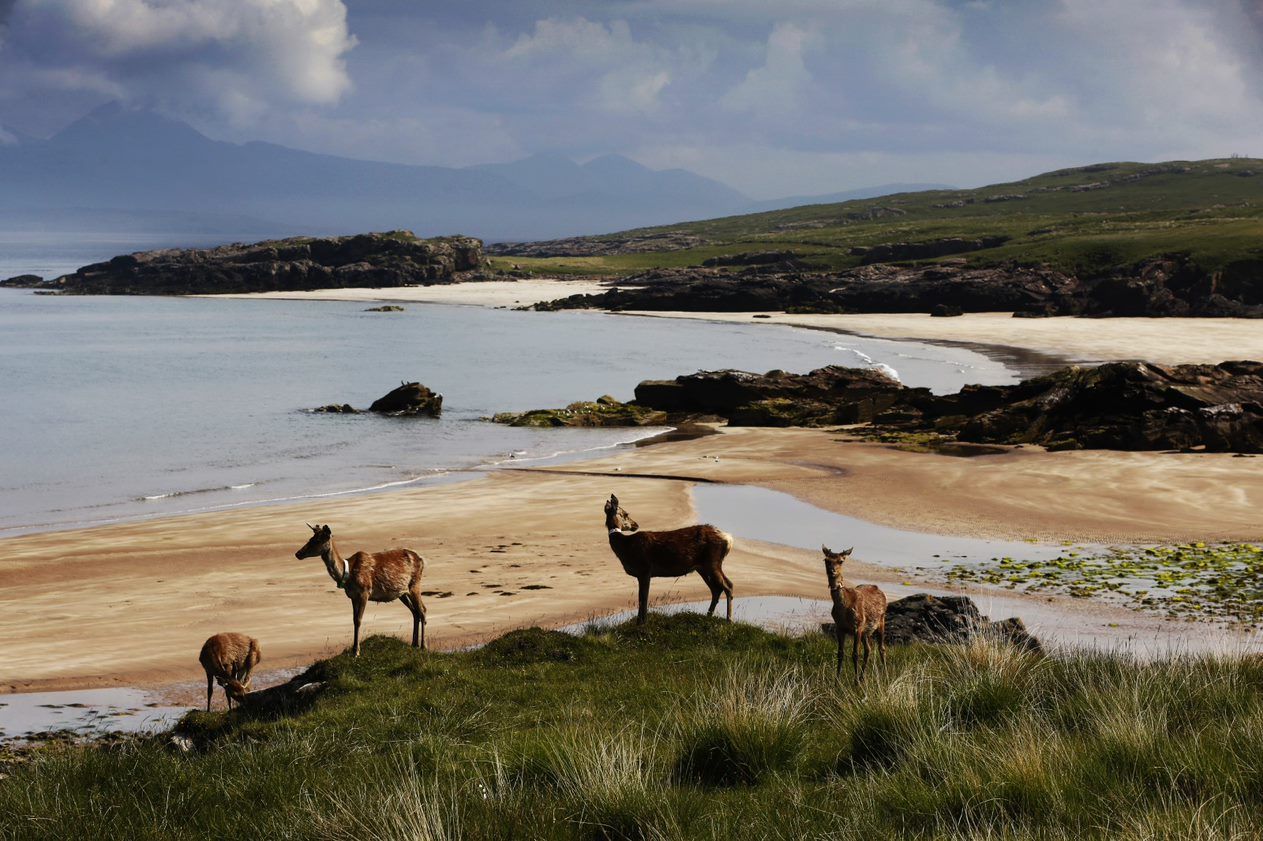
point(688, 728)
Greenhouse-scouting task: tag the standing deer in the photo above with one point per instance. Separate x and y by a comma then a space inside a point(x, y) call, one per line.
point(372, 576)
point(228, 657)
point(669, 554)
point(858, 611)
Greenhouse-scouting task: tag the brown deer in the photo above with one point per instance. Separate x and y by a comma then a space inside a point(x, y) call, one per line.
point(858, 611)
point(228, 657)
point(669, 554)
point(372, 576)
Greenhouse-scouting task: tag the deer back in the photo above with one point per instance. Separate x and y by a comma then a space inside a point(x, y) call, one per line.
point(670, 553)
point(384, 575)
point(227, 654)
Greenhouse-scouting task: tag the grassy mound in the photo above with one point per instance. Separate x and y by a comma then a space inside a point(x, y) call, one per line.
point(687, 728)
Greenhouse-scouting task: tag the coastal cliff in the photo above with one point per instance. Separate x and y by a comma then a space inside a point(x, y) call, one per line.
point(395, 258)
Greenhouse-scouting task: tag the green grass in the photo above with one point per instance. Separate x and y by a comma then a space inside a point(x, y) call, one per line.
point(1211, 210)
point(689, 728)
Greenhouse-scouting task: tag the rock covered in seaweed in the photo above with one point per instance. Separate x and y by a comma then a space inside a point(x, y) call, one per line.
point(954, 620)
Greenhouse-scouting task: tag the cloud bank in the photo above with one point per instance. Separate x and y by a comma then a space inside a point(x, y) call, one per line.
point(798, 96)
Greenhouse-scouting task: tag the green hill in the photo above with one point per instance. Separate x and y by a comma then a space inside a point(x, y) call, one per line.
point(1083, 220)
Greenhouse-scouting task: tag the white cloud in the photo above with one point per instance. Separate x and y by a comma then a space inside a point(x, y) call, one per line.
point(239, 55)
point(779, 85)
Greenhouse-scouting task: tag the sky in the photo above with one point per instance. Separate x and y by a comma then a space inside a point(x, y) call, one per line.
point(776, 98)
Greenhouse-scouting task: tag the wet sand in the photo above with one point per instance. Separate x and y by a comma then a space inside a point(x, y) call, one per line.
point(130, 604)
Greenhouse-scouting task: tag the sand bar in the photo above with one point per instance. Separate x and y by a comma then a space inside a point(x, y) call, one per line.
point(130, 604)
point(490, 293)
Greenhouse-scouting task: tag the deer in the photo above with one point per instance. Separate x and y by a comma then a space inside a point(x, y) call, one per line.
point(228, 657)
point(858, 611)
point(669, 554)
point(372, 576)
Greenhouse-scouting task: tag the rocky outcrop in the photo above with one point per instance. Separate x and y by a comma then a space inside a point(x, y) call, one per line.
point(1118, 406)
point(337, 409)
point(1167, 286)
point(628, 243)
point(385, 308)
point(952, 620)
point(409, 399)
point(397, 258)
point(826, 396)
point(780, 259)
point(23, 281)
point(895, 251)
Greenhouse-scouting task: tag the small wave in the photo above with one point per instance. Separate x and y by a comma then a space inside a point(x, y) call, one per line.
point(196, 492)
point(870, 362)
point(243, 486)
point(888, 371)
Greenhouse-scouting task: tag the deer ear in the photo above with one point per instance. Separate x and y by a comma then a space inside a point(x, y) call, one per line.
point(848, 552)
point(324, 530)
point(825, 549)
point(313, 528)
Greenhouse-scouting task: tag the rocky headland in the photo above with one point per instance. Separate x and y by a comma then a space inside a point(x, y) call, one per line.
point(1117, 406)
point(395, 258)
point(1167, 286)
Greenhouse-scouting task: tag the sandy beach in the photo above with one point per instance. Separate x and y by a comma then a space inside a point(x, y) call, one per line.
point(522, 547)
point(130, 604)
point(1168, 341)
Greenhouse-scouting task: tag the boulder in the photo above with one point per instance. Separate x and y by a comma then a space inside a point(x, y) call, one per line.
point(337, 409)
point(952, 620)
point(409, 399)
point(945, 310)
point(385, 308)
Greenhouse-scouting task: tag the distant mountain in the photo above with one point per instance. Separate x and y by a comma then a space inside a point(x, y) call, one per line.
point(848, 195)
point(122, 162)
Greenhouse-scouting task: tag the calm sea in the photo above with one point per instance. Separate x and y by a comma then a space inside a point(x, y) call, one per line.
point(123, 407)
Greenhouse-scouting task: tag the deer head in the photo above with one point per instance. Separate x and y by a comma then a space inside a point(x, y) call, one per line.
point(833, 561)
point(320, 538)
point(234, 689)
point(617, 519)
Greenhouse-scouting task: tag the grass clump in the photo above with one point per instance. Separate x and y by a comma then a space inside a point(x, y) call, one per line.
point(687, 728)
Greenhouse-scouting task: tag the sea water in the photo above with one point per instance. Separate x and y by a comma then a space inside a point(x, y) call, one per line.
point(115, 408)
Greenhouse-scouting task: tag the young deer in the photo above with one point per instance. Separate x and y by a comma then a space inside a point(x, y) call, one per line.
point(379, 577)
point(669, 554)
point(858, 611)
point(228, 657)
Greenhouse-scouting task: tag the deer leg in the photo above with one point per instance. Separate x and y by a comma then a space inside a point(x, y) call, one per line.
point(357, 613)
point(841, 635)
point(855, 654)
point(727, 582)
point(210, 690)
point(881, 643)
point(416, 598)
point(715, 589)
point(643, 612)
point(867, 644)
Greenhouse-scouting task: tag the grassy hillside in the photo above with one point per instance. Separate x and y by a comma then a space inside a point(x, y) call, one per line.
point(689, 728)
point(1084, 219)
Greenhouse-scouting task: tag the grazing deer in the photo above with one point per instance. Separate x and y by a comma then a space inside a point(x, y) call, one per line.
point(228, 657)
point(372, 576)
point(858, 611)
point(669, 554)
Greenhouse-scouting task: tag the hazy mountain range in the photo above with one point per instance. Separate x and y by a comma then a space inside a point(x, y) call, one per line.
point(123, 169)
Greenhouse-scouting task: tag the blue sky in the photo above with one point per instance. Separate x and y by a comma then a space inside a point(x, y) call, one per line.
point(774, 98)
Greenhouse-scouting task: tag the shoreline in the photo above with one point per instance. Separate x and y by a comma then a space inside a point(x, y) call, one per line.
point(525, 547)
point(151, 590)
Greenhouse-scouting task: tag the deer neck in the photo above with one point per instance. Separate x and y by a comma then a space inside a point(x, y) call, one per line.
point(842, 595)
point(337, 567)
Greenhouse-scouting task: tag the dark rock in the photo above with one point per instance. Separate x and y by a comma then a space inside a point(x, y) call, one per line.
point(409, 399)
point(605, 411)
point(945, 311)
point(23, 281)
point(891, 251)
point(337, 409)
point(385, 308)
point(782, 259)
point(397, 258)
point(952, 620)
point(826, 396)
point(627, 243)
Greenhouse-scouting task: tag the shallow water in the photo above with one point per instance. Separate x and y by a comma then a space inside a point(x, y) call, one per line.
point(125, 407)
point(771, 516)
point(1139, 635)
point(84, 712)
